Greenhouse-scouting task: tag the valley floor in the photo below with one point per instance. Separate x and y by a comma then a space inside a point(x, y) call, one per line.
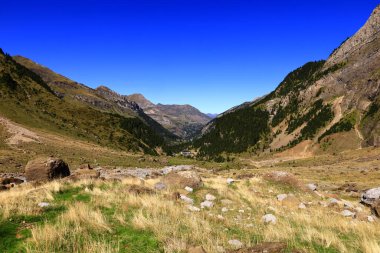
point(131, 215)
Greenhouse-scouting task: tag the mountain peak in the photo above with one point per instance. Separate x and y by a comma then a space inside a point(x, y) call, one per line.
point(140, 100)
point(368, 33)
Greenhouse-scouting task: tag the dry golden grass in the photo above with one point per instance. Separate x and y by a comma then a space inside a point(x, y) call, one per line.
point(315, 229)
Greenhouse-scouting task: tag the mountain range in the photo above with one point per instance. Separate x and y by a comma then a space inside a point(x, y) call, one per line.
point(324, 106)
point(169, 121)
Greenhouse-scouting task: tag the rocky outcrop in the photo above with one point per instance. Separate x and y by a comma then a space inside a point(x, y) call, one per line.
point(46, 169)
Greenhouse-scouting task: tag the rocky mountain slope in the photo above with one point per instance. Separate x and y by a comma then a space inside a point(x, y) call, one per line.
point(30, 101)
point(183, 120)
point(102, 98)
point(322, 106)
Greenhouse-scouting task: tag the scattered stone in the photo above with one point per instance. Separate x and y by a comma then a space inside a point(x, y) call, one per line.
point(193, 208)
point(347, 213)
point(220, 217)
point(241, 211)
point(333, 202)
point(207, 204)
point(312, 187)
point(269, 218)
point(370, 196)
point(224, 209)
point(347, 204)
point(281, 197)
point(46, 169)
point(160, 186)
point(371, 219)
point(210, 197)
point(177, 168)
point(302, 206)
point(189, 189)
point(43, 204)
point(230, 181)
point(198, 249)
point(186, 199)
point(236, 244)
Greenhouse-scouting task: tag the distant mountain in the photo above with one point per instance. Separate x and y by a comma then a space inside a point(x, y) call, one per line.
point(56, 104)
point(182, 120)
point(323, 106)
point(212, 115)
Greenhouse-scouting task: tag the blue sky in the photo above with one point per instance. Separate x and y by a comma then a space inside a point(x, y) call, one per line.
point(210, 54)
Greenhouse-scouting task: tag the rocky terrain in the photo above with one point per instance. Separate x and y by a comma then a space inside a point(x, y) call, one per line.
point(182, 120)
point(292, 206)
point(313, 109)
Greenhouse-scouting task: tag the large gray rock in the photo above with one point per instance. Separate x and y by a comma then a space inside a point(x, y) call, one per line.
point(370, 196)
point(46, 169)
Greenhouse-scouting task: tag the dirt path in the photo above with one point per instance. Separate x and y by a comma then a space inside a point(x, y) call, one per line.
point(357, 131)
point(18, 133)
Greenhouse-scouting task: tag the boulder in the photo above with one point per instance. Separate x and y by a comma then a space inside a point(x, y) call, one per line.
point(182, 179)
point(269, 218)
point(347, 213)
point(186, 199)
point(46, 169)
point(207, 204)
point(370, 196)
point(281, 197)
point(312, 187)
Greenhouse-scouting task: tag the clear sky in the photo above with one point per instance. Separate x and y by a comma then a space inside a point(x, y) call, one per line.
point(210, 54)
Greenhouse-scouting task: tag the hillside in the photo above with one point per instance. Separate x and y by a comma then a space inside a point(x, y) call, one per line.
point(313, 109)
point(28, 100)
point(102, 98)
point(182, 120)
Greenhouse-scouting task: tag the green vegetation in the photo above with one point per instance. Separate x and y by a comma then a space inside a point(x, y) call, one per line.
point(346, 124)
point(297, 121)
point(235, 132)
point(300, 78)
point(28, 100)
point(319, 121)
